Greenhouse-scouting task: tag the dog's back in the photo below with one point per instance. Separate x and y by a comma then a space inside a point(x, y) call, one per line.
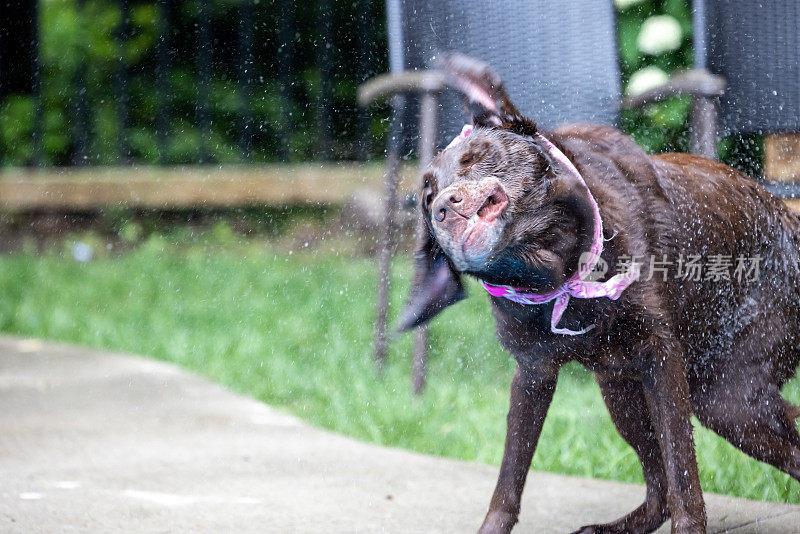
point(729, 252)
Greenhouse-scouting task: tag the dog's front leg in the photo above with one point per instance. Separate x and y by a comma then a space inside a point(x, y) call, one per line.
point(531, 393)
point(667, 395)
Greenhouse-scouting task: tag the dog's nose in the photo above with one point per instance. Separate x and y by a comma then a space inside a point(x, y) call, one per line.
point(442, 205)
point(447, 202)
point(486, 198)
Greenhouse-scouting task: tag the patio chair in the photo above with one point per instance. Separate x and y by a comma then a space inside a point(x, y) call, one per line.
point(754, 45)
point(559, 68)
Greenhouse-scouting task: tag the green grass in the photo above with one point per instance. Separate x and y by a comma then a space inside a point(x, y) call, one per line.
point(295, 330)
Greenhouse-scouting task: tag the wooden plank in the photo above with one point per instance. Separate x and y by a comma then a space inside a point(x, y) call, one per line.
point(91, 188)
point(782, 157)
point(794, 204)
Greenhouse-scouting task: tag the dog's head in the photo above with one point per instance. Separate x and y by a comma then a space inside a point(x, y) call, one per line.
point(495, 205)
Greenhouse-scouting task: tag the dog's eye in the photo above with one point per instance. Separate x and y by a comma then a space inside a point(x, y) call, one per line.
point(427, 192)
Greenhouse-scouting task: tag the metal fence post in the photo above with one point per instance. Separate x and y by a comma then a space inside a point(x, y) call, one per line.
point(244, 65)
point(121, 83)
point(204, 77)
point(162, 79)
point(325, 60)
point(427, 147)
point(38, 117)
point(81, 127)
point(285, 52)
point(363, 56)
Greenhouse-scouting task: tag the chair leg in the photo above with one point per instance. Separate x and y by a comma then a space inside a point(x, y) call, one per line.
point(384, 264)
point(388, 230)
point(419, 368)
point(428, 116)
point(703, 127)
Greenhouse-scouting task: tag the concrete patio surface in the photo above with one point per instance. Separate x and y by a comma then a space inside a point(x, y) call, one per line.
point(98, 442)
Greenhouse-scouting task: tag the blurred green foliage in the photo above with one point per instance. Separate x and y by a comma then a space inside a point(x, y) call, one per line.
point(654, 38)
point(77, 39)
point(661, 127)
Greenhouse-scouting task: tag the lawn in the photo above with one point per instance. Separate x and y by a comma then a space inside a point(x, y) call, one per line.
point(293, 328)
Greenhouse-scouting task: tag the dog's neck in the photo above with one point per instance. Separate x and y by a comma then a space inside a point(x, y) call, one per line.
point(577, 285)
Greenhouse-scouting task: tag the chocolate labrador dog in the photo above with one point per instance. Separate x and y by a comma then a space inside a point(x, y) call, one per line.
point(673, 278)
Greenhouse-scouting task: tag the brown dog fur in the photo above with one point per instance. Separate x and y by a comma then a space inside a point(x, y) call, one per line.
point(669, 347)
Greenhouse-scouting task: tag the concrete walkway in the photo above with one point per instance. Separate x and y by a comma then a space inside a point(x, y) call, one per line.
point(99, 442)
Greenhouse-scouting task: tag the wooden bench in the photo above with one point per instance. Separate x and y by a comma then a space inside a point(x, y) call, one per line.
point(92, 188)
point(782, 166)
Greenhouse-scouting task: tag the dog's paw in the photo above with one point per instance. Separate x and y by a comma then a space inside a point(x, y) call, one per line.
point(498, 523)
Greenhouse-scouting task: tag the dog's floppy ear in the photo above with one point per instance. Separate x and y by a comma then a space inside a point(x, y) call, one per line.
point(485, 96)
point(436, 284)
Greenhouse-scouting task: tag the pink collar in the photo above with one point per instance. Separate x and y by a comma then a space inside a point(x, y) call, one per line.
point(576, 286)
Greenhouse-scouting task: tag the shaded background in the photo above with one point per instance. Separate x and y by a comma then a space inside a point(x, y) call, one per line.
point(225, 81)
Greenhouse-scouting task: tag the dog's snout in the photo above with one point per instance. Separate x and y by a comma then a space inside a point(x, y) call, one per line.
point(466, 218)
point(485, 198)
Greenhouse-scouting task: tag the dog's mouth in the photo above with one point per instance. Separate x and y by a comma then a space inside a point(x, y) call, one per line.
point(484, 225)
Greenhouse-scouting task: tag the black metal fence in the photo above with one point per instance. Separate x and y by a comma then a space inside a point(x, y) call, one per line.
point(197, 81)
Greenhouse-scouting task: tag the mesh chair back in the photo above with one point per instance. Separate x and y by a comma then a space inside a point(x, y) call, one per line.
point(756, 46)
point(557, 57)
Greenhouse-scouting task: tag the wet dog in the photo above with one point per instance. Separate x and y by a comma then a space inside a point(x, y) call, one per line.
point(674, 278)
